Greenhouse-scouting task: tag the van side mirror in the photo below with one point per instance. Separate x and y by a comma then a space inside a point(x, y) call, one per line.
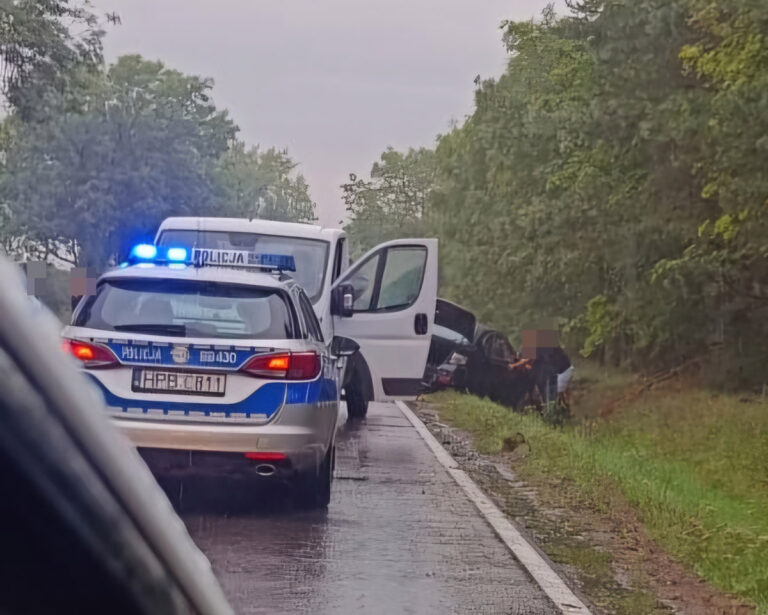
point(343, 346)
point(343, 300)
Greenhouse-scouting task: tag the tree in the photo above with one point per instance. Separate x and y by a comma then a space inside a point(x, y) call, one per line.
point(394, 201)
point(85, 185)
point(725, 264)
point(39, 50)
point(255, 184)
point(612, 178)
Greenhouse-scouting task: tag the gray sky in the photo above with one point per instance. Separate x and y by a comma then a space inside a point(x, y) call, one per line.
point(334, 81)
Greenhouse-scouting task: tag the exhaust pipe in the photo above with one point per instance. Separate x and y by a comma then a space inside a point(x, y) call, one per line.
point(265, 469)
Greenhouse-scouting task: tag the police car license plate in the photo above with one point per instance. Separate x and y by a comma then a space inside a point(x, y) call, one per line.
point(178, 382)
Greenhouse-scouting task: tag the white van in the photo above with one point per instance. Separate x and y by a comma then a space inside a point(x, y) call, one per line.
point(385, 301)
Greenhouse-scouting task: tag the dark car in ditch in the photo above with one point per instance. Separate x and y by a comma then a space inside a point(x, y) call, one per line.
point(493, 369)
point(473, 358)
point(452, 337)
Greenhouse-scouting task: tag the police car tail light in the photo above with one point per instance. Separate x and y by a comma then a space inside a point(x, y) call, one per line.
point(304, 366)
point(269, 366)
point(90, 355)
point(286, 365)
point(265, 456)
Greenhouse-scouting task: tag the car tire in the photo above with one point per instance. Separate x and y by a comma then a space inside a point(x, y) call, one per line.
point(313, 489)
point(357, 402)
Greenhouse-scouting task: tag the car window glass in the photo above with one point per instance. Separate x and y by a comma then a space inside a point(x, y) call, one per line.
point(362, 282)
point(337, 259)
point(483, 345)
point(313, 326)
point(191, 308)
point(501, 349)
point(497, 350)
point(401, 280)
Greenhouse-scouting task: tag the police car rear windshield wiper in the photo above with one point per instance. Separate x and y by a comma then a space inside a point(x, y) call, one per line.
point(153, 328)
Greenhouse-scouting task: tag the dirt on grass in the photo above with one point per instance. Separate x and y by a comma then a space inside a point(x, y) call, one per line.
point(605, 554)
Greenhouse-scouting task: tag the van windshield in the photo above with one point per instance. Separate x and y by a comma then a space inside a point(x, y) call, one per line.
point(188, 309)
point(311, 255)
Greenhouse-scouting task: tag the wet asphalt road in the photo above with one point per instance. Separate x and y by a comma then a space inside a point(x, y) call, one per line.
point(398, 537)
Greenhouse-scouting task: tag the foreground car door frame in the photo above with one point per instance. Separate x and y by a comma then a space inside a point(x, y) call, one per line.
point(89, 483)
point(391, 323)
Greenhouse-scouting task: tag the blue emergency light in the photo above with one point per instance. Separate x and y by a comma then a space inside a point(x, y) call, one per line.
point(144, 252)
point(281, 262)
point(209, 257)
point(177, 255)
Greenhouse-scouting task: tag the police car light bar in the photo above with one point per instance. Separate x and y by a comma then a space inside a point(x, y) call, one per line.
point(283, 262)
point(205, 257)
point(148, 253)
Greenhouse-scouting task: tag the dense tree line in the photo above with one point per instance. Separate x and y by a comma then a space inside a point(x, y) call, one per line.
point(613, 178)
point(95, 156)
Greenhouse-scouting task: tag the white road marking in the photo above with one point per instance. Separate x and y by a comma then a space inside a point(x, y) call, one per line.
point(549, 581)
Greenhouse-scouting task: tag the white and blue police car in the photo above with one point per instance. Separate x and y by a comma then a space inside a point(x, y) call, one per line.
point(215, 359)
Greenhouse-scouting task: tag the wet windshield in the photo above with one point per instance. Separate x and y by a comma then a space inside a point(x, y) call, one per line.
point(311, 255)
point(184, 308)
point(533, 233)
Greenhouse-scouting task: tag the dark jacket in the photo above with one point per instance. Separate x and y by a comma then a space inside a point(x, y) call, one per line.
point(550, 362)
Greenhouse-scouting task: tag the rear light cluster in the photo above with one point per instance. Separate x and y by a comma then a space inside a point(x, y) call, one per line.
point(265, 456)
point(90, 355)
point(285, 366)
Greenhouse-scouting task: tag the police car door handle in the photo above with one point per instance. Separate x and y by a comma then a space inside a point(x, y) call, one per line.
point(421, 324)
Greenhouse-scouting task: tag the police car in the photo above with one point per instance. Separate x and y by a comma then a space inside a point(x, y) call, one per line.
point(215, 359)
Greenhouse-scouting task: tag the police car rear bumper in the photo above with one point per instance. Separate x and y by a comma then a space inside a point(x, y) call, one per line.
point(303, 433)
point(215, 465)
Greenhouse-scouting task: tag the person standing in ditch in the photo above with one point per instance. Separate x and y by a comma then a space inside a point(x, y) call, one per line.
point(551, 367)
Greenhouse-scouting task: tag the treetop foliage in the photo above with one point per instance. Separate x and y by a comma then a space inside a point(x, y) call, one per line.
point(612, 178)
point(95, 156)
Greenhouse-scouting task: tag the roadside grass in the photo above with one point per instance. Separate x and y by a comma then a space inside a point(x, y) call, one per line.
point(638, 603)
point(592, 562)
point(694, 465)
point(595, 387)
point(595, 568)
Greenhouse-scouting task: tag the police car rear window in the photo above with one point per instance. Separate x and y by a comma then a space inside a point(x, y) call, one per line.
point(189, 309)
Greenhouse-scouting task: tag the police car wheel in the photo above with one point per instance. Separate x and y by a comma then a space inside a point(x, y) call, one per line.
point(313, 489)
point(357, 404)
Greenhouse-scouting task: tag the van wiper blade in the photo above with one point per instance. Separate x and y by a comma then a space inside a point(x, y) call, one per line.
point(168, 329)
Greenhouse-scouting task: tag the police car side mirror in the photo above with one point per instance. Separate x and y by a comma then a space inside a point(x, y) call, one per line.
point(342, 300)
point(343, 346)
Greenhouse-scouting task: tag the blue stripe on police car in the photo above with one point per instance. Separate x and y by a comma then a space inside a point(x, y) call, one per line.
point(148, 353)
point(263, 403)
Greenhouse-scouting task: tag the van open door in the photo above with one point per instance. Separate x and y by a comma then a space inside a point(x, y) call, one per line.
point(386, 303)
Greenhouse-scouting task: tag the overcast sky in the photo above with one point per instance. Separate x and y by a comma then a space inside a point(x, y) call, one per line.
point(334, 81)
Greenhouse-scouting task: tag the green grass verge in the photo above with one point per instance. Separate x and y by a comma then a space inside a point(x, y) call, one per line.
point(693, 465)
